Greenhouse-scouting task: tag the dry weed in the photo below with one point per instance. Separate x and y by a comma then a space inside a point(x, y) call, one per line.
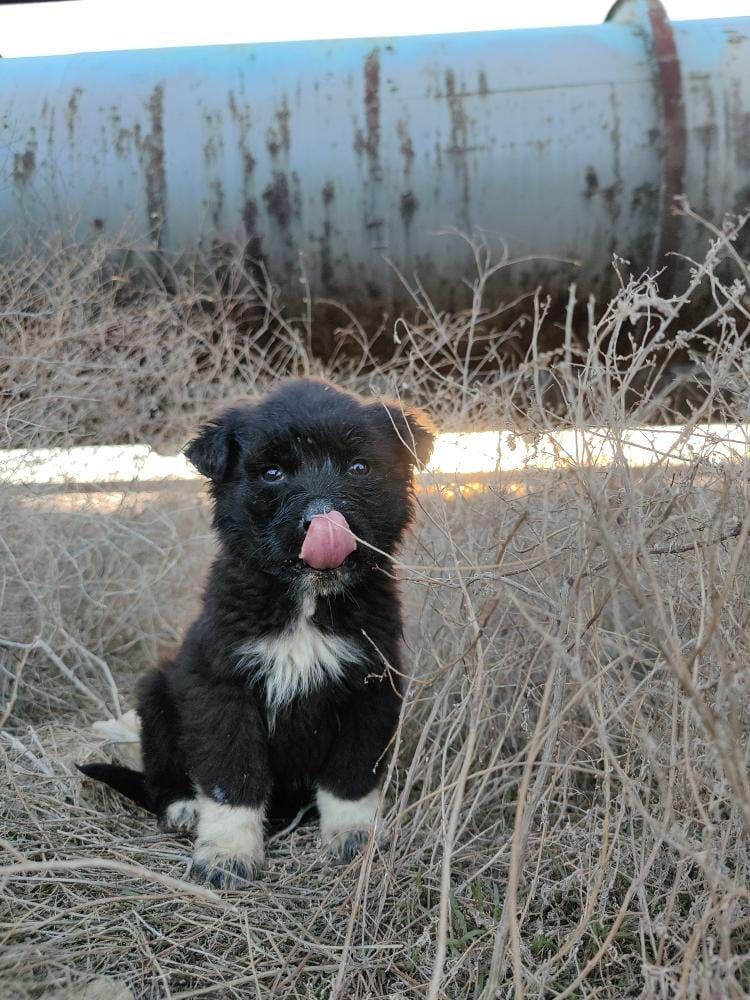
point(568, 806)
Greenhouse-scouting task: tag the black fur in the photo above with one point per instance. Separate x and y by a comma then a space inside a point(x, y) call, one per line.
point(204, 718)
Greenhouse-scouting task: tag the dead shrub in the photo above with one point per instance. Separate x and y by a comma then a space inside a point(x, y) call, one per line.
point(568, 806)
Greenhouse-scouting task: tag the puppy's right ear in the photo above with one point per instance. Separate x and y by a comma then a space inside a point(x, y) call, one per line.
point(212, 452)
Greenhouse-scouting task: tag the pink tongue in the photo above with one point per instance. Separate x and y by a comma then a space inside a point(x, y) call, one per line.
point(328, 541)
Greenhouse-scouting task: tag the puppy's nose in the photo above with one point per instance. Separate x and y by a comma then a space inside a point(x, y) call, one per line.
point(314, 509)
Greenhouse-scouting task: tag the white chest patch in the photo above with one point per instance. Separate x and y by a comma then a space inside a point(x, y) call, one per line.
point(298, 660)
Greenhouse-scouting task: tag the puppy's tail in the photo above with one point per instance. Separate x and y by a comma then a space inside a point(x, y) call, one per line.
point(131, 784)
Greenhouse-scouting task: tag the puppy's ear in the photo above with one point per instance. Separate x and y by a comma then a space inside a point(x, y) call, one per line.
point(213, 451)
point(413, 429)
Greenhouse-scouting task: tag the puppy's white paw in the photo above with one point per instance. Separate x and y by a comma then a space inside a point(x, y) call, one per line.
point(229, 850)
point(345, 846)
point(180, 816)
point(345, 824)
point(224, 871)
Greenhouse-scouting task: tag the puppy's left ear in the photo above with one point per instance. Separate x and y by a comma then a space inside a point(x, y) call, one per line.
point(212, 452)
point(414, 430)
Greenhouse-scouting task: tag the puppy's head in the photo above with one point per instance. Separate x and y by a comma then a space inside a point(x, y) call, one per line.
point(312, 484)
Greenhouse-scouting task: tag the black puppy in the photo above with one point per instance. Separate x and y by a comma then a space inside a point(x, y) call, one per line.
point(288, 684)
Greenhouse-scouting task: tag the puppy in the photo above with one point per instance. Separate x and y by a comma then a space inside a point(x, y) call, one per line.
point(287, 687)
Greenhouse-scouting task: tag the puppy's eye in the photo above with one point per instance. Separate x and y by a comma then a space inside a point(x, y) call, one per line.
point(273, 474)
point(358, 468)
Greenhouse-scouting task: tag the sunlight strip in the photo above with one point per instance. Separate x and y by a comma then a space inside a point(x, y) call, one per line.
point(454, 454)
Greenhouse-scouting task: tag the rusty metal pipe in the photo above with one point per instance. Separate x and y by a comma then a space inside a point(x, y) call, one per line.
point(563, 143)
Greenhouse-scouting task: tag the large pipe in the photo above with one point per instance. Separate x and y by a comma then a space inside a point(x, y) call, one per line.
point(565, 143)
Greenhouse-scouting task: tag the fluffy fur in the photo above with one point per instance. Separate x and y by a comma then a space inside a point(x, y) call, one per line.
point(286, 688)
point(297, 661)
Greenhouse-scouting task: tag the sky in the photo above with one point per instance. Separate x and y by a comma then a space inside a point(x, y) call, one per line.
point(100, 25)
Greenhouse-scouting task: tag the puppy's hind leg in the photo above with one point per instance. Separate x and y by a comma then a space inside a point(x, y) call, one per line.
point(167, 782)
point(181, 816)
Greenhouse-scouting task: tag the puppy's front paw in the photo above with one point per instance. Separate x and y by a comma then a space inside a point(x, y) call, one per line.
point(345, 823)
point(347, 844)
point(229, 850)
point(224, 871)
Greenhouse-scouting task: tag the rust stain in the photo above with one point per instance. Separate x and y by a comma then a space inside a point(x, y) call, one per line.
point(369, 142)
point(240, 115)
point(458, 121)
point(151, 148)
point(283, 116)
point(734, 37)
point(327, 269)
point(278, 136)
point(458, 116)
point(253, 254)
point(217, 202)
point(296, 195)
point(668, 78)
point(123, 138)
point(278, 200)
point(72, 113)
point(409, 205)
point(459, 143)
point(211, 149)
point(592, 183)
point(372, 102)
point(24, 164)
point(272, 142)
point(406, 145)
point(214, 144)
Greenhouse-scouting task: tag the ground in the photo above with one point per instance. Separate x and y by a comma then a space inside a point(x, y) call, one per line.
point(567, 807)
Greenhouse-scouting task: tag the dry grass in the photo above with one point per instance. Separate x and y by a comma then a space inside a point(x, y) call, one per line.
point(568, 808)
